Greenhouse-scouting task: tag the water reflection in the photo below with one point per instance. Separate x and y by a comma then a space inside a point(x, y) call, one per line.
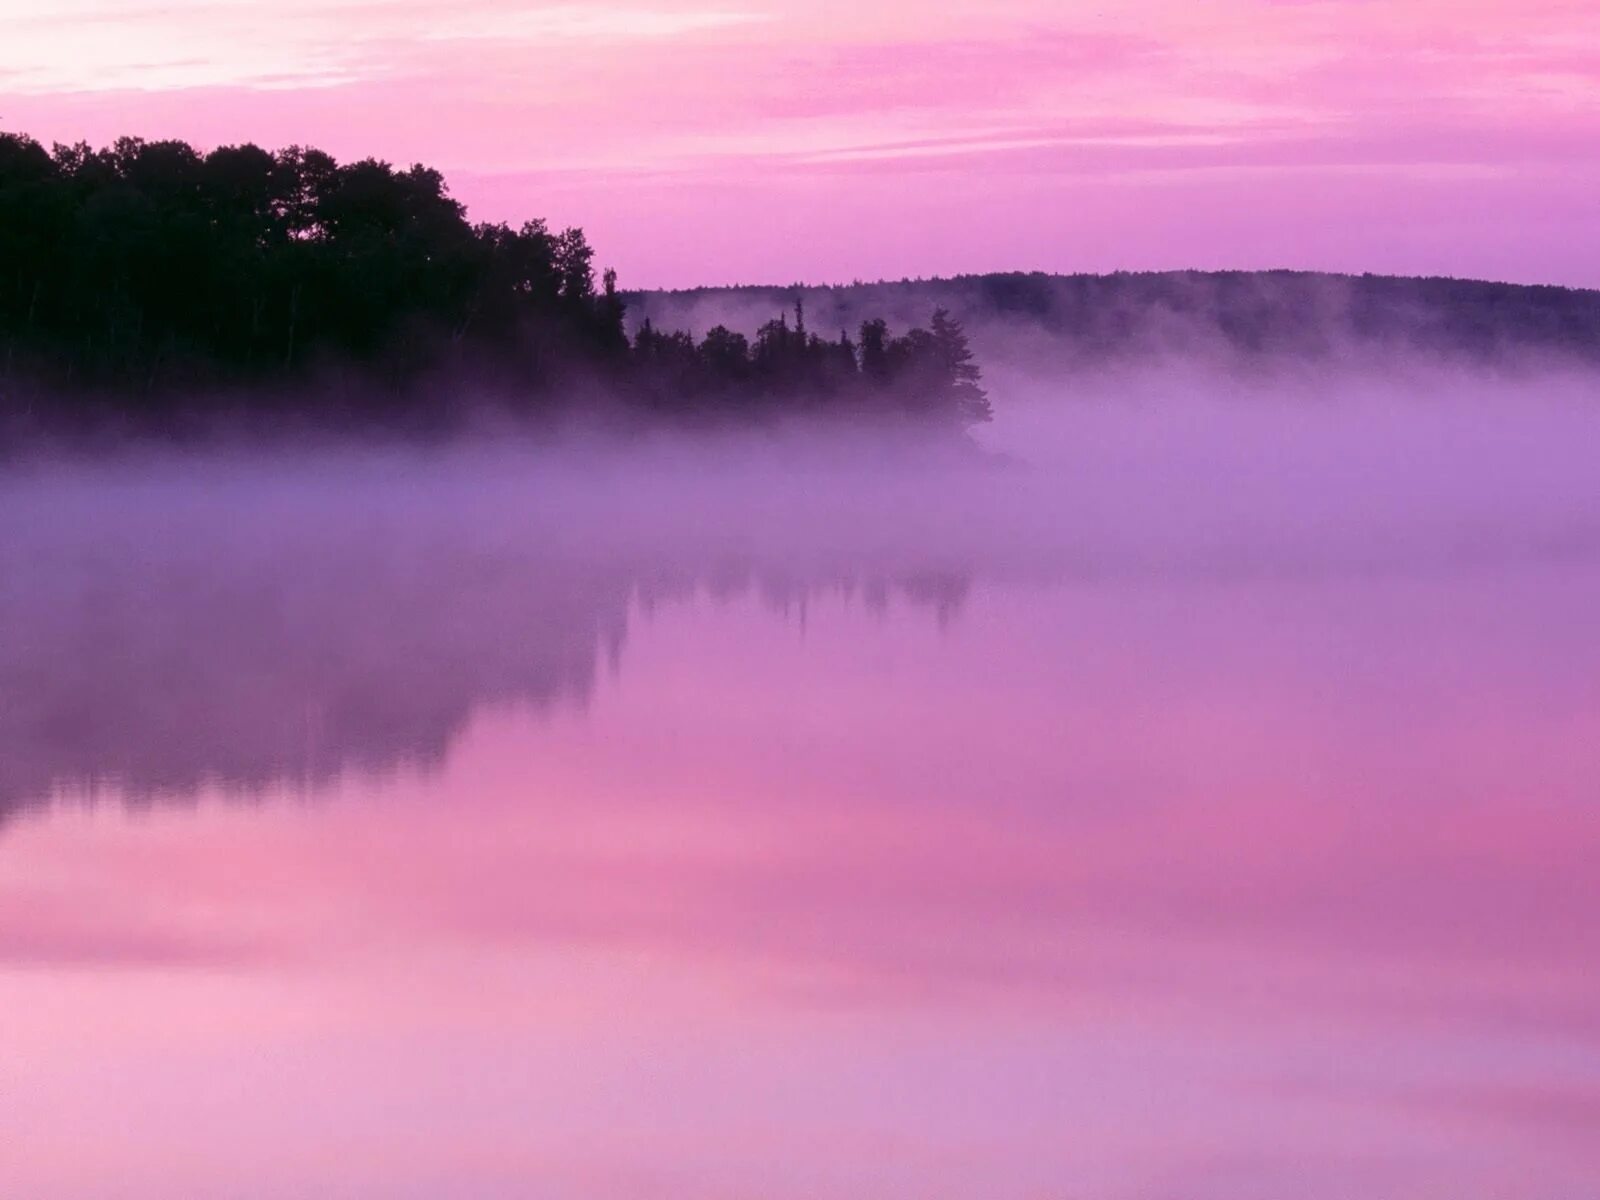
point(1204, 889)
point(1133, 865)
point(148, 653)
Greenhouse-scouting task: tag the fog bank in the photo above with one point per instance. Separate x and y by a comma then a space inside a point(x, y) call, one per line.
point(172, 617)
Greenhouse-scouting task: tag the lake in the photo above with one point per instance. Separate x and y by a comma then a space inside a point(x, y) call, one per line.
point(1197, 802)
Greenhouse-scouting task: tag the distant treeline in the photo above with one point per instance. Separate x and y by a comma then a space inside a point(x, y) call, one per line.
point(150, 279)
point(1068, 322)
point(927, 372)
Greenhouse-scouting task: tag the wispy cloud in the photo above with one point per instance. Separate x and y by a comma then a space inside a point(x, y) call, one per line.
point(1020, 98)
point(585, 23)
point(101, 46)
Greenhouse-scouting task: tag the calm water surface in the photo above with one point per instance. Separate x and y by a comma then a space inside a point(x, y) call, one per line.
point(345, 862)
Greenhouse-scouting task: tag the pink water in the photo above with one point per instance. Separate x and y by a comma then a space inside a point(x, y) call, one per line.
point(1232, 884)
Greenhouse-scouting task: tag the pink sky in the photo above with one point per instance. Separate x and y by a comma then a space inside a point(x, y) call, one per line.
point(710, 141)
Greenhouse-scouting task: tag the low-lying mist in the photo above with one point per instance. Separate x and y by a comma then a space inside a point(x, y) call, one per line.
point(245, 616)
point(1057, 324)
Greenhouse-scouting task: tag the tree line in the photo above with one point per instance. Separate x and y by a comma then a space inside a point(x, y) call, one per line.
point(925, 372)
point(149, 276)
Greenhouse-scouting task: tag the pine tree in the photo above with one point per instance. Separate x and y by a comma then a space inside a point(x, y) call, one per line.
point(962, 375)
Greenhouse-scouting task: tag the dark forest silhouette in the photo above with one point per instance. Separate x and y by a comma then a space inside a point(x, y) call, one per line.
point(928, 372)
point(1061, 324)
point(140, 278)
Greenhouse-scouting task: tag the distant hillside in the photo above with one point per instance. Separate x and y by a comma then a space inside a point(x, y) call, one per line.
point(1087, 320)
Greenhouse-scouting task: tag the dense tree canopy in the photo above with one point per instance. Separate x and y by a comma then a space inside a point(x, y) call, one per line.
point(926, 373)
point(1062, 325)
point(149, 275)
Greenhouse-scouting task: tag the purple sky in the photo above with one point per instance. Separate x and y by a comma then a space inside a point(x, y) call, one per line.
point(771, 141)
